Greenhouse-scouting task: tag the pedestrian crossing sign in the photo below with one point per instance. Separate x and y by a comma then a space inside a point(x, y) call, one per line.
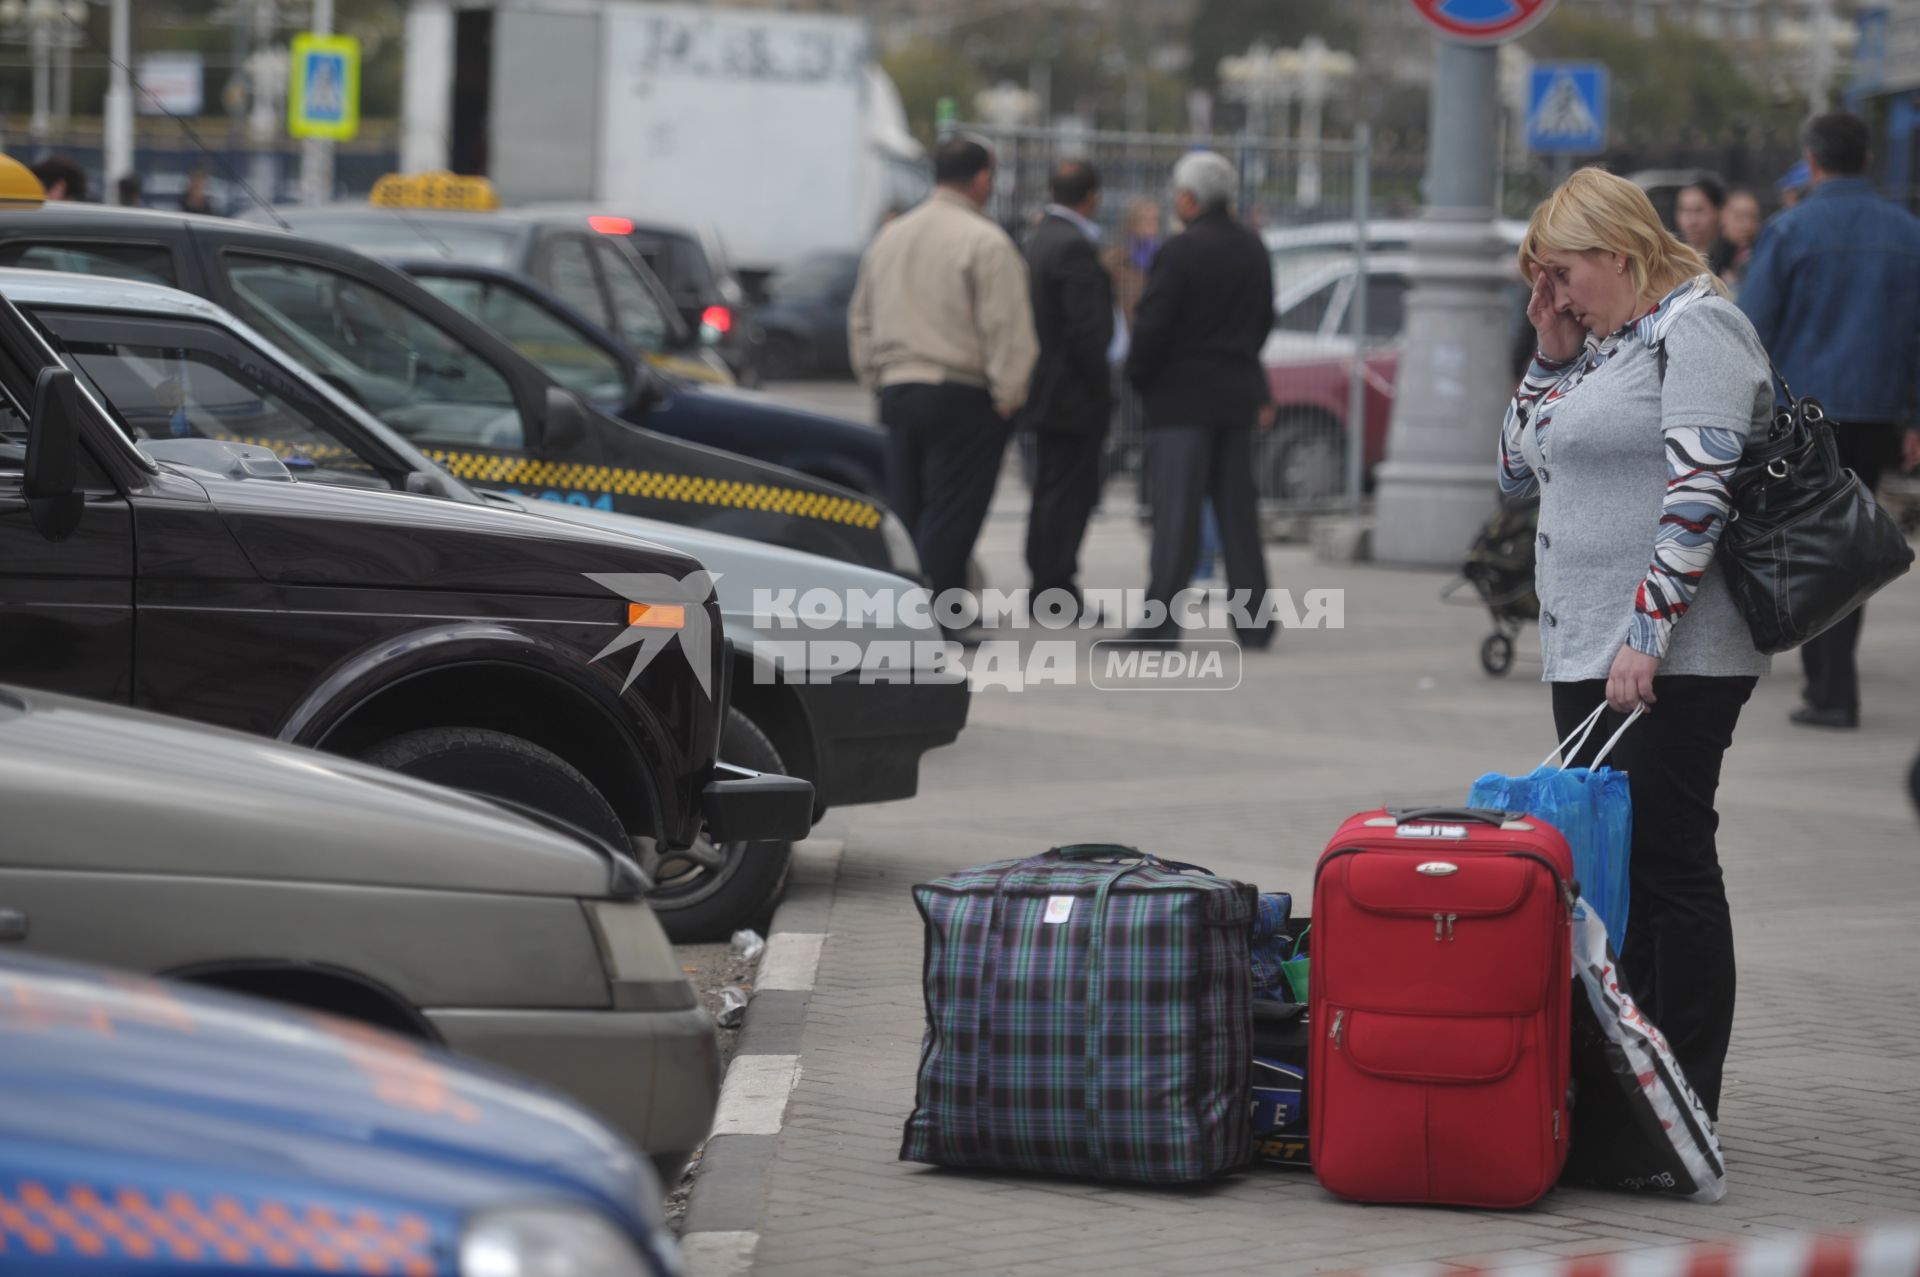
point(323, 89)
point(1567, 108)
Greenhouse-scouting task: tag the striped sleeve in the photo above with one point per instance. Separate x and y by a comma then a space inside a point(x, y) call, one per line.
point(1700, 460)
point(1516, 476)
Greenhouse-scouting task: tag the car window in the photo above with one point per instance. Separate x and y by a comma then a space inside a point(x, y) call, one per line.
point(399, 365)
point(639, 317)
point(1306, 314)
point(1386, 305)
point(145, 263)
point(191, 381)
point(690, 272)
point(13, 435)
point(564, 351)
point(566, 266)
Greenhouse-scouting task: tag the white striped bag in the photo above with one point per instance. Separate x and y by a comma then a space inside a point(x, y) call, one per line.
point(1637, 1125)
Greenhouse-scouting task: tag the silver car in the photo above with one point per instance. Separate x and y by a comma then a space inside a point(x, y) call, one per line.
point(228, 860)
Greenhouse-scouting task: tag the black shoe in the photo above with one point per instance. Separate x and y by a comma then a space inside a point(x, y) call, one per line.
point(1257, 639)
point(1813, 716)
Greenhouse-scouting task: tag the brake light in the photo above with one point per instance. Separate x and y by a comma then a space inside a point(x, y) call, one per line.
point(607, 224)
point(718, 318)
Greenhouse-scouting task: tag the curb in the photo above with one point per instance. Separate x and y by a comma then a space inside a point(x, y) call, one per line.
point(730, 1189)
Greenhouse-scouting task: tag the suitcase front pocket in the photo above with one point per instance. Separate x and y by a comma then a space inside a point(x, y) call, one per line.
point(1430, 1048)
point(1435, 1108)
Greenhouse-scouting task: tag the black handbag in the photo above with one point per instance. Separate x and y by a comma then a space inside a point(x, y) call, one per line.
point(1806, 543)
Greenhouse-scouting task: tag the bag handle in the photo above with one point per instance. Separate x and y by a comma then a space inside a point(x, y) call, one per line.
point(1115, 851)
point(1607, 748)
point(1453, 815)
point(1583, 731)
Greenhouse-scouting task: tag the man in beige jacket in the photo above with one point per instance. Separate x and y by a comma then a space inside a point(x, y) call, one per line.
point(941, 327)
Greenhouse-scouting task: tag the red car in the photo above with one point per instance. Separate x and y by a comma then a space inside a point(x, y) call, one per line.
point(1308, 356)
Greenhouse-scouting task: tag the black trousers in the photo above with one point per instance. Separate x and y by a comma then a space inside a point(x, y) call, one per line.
point(944, 445)
point(1678, 956)
point(1066, 488)
point(1187, 465)
point(1869, 449)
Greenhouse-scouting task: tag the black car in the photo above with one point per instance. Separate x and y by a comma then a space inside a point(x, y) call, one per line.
point(694, 269)
point(441, 638)
point(598, 274)
point(174, 366)
point(449, 384)
point(805, 316)
point(593, 362)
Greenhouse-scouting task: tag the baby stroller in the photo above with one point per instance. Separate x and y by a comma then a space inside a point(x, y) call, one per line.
point(1499, 567)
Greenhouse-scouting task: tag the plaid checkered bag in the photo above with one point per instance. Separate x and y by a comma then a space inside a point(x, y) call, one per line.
point(1088, 1014)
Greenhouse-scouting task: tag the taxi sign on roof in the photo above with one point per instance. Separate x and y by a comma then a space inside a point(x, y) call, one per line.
point(18, 185)
point(441, 190)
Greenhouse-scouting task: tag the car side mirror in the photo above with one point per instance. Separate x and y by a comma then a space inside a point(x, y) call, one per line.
point(645, 390)
point(53, 454)
point(566, 420)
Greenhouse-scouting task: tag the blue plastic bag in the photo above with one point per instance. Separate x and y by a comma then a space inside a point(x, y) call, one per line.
point(1591, 808)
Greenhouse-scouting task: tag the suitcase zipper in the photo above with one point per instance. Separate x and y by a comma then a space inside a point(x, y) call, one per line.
point(1556, 1126)
point(1443, 926)
point(1451, 919)
point(1338, 1018)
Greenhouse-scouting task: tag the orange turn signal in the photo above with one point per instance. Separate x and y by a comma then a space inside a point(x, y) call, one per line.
point(657, 616)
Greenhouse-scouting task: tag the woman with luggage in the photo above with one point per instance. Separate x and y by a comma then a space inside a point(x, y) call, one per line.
point(1641, 395)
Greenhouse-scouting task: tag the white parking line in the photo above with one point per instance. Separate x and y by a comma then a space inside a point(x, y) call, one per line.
point(719, 1254)
point(791, 959)
point(753, 1099)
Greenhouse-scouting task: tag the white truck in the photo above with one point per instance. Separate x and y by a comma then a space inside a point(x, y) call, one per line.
point(778, 130)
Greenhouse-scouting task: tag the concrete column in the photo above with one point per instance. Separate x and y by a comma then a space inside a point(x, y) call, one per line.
point(426, 98)
point(1437, 484)
point(118, 107)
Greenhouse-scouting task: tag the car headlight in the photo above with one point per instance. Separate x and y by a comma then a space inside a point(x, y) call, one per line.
point(900, 552)
point(556, 1241)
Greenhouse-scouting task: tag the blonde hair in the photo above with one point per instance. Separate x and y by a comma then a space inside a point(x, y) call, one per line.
point(1594, 211)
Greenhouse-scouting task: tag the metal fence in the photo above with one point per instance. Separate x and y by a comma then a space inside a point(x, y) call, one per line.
point(1310, 201)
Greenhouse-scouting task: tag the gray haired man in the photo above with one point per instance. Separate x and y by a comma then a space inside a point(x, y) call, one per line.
point(1195, 359)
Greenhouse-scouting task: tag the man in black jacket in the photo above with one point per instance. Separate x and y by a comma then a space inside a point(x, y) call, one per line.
point(1195, 358)
point(1071, 399)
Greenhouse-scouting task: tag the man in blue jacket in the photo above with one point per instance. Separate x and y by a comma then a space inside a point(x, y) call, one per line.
point(1834, 291)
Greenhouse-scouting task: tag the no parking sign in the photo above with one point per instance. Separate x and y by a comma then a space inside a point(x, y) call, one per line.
point(1482, 21)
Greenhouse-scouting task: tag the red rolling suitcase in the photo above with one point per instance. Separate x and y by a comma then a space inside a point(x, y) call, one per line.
point(1441, 1005)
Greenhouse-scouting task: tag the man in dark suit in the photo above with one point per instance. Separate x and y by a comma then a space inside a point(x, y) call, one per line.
point(1071, 398)
point(1195, 358)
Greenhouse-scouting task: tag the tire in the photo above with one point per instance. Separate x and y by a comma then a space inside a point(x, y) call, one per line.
point(1496, 654)
point(1302, 460)
point(707, 892)
point(497, 765)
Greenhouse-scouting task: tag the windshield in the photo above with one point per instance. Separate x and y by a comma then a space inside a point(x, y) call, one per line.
point(190, 380)
point(402, 234)
point(402, 367)
point(566, 352)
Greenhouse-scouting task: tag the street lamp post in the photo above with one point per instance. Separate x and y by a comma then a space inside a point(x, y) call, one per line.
point(1319, 69)
point(119, 104)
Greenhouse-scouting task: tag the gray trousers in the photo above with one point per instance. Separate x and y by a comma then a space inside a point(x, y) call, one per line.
point(1186, 466)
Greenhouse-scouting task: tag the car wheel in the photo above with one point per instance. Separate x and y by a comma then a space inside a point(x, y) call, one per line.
point(709, 890)
point(1302, 460)
point(784, 359)
point(497, 765)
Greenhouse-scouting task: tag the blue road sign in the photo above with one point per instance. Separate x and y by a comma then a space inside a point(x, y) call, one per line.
point(1567, 108)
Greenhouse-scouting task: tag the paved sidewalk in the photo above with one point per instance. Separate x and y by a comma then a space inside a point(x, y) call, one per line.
point(1823, 860)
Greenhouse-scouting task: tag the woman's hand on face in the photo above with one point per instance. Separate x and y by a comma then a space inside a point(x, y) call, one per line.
point(1630, 681)
point(1559, 334)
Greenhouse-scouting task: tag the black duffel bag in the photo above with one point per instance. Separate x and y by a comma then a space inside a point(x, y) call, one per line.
point(1806, 542)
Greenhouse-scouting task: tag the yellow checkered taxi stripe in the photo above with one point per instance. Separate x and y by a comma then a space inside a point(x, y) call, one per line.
point(656, 485)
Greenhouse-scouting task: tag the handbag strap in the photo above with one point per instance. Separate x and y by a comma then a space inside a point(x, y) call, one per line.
point(1583, 731)
point(1096, 996)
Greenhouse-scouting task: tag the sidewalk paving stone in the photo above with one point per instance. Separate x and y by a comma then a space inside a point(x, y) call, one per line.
point(1820, 847)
